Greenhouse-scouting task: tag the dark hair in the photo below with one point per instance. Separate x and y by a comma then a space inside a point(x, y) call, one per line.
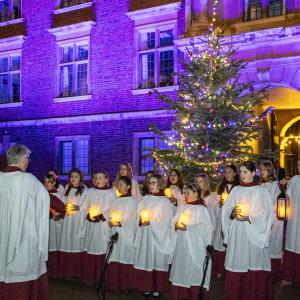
point(80, 188)
point(250, 166)
point(49, 177)
point(179, 183)
point(145, 190)
point(105, 175)
point(56, 180)
point(194, 188)
point(126, 180)
point(224, 182)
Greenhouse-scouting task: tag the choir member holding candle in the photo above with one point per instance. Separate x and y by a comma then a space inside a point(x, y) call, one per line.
point(57, 212)
point(59, 187)
point(230, 179)
point(95, 230)
point(71, 244)
point(268, 180)
point(291, 256)
point(124, 222)
point(125, 169)
point(211, 201)
point(247, 217)
point(174, 188)
point(152, 241)
point(193, 233)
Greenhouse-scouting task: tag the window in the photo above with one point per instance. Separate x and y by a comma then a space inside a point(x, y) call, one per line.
point(10, 66)
point(68, 3)
point(73, 152)
point(156, 57)
point(276, 8)
point(10, 10)
point(73, 69)
point(253, 10)
point(143, 143)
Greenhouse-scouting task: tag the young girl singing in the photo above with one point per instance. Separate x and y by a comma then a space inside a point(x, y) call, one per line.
point(193, 233)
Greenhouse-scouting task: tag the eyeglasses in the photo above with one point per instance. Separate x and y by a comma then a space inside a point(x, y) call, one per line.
point(152, 182)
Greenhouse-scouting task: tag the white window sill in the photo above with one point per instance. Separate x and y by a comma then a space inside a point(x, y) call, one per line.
point(72, 8)
point(66, 177)
point(10, 22)
point(159, 89)
point(13, 104)
point(70, 99)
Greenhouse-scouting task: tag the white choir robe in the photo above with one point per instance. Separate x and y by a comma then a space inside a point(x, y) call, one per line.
point(96, 235)
point(212, 204)
point(277, 227)
point(24, 227)
point(247, 243)
point(122, 257)
point(70, 238)
point(55, 228)
point(135, 190)
point(123, 249)
point(190, 247)
point(153, 242)
point(292, 242)
point(61, 189)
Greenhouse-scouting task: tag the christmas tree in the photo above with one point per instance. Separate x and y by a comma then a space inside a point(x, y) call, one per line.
point(215, 112)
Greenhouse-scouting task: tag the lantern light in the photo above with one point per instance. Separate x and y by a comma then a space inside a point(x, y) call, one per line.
point(282, 207)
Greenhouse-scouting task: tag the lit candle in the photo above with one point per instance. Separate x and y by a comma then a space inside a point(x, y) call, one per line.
point(115, 217)
point(244, 209)
point(168, 192)
point(70, 208)
point(94, 211)
point(145, 216)
point(184, 219)
point(118, 193)
point(224, 197)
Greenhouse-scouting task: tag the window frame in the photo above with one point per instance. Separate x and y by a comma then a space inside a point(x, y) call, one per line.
point(74, 42)
point(12, 21)
point(11, 53)
point(136, 151)
point(157, 28)
point(73, 139)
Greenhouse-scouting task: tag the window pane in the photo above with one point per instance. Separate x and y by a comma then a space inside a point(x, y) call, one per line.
point(82, 52)
point(68, 3)
point(254, 10)
point(82, 79)
point(4, 90)
point(3, 64)
point(65, 157)
point(16, 9)
point(82, 156)
point(15, 63)
point(66, 81)
point(15, 87)
point(147, 40)
point(275, 8)
point(66, 54)
point(146, 162)
point(166, 68)
point(4, 9)
point(147, 70)
point(166, 37)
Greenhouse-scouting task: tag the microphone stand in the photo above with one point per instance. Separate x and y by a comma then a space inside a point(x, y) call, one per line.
point(101, 289)
point(209, 254)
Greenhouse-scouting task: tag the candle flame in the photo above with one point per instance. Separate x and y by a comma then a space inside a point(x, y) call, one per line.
point(168, 192)
point(94, 211)
point(145, 216)
point(184, 219)
point(115, 217)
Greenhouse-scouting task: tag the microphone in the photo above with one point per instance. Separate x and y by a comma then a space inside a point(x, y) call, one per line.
point(114, 238)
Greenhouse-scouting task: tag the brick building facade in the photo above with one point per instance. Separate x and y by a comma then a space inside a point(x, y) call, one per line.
point(75, 75)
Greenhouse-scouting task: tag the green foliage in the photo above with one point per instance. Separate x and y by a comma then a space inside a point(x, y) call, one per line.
point(215, 112)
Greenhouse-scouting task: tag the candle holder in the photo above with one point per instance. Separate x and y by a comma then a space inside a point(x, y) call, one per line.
point(184, 219)
point(224, 197)
point(115, 217)
point(145, 216)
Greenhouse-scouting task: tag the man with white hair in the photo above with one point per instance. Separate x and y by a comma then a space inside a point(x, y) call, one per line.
point(24, 230)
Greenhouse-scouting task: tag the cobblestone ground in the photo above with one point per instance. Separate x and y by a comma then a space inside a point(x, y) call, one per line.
point(74, 290)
